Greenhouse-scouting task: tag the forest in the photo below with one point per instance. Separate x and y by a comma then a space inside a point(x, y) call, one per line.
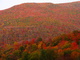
point(40, 31)
point(32, 20)
point(63, 47)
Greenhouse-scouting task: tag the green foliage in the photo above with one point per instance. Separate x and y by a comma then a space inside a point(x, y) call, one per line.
point(34, 56)
point(67, 38)
point(9, 57)
point(67, 52)
point(22, 48)
point(39, 39)
point(55, 43)
point(17, 54)
point(34, 47)
point(48, 54)
point(51, 55)
point(24, 56)
point(43, 54)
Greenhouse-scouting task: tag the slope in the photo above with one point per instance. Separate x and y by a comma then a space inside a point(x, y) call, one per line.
point(32, 20)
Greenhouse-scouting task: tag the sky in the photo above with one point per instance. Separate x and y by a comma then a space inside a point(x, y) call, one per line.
point(4, 4)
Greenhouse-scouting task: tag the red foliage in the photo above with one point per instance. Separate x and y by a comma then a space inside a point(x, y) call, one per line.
point(74, 45)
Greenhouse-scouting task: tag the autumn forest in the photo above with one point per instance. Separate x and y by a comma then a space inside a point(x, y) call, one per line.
point(40, 31)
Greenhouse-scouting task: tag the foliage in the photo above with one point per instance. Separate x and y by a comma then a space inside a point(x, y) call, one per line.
point(38, 49)
point(32, 20)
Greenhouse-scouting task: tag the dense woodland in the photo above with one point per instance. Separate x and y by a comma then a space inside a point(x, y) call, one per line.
point(32, 20)
point(40, 31)
point(63, 47)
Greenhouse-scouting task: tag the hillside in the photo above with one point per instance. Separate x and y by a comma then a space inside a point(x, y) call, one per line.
point(63, 47)
point(33, 20)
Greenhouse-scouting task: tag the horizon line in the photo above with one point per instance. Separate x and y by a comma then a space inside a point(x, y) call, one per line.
point(37, 2)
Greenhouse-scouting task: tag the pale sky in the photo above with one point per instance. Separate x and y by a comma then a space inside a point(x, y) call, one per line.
point(4, 4)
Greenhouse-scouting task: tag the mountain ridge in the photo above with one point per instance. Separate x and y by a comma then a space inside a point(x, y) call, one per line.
point(42, 3)
point(38, 20)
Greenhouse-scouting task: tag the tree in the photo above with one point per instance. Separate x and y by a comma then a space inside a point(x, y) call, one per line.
point(76, 32)
point(17, 54)
point(75, 55)
point(39, 39)
point(48, 54)
point(33, 47)
point(34, 56)
point(24, 56)
point(67, 54)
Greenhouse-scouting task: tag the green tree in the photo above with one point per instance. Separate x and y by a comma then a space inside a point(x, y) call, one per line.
point(34, 56)
point(17, 54)
point(24, 56)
